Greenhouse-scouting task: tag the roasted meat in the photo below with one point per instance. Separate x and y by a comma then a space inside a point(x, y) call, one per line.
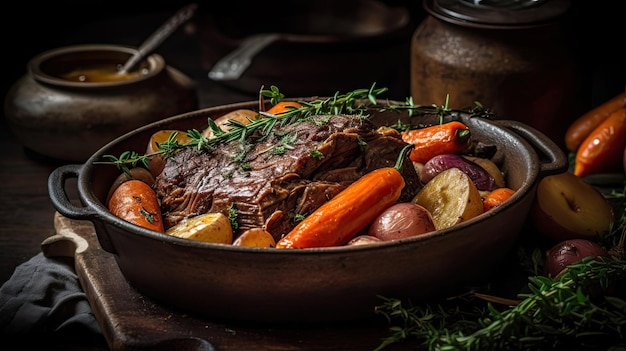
point(269, 181)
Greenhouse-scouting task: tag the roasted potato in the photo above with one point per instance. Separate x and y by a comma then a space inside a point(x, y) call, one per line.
point(210, 227)
point(451, 198)
point(256, 237)
point(156, 163)
point(402, 220)
point(243, 116)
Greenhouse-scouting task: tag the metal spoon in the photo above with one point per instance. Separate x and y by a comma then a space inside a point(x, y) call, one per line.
point(232, 66)
point(162, 33)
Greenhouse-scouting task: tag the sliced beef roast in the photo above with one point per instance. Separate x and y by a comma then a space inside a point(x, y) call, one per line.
point(268, 182)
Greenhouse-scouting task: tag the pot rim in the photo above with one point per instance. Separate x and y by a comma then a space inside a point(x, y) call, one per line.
point(156, 64)
point(86, 174)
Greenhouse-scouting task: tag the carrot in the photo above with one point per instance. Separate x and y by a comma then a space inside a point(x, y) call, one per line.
point(585, 124)
point(496, 197)
point(447, 138)
point(347, 213)
point(283, 106)
point(136, 202)
point(602, 150)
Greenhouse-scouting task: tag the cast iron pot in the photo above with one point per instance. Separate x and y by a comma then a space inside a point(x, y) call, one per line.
point(307, 285)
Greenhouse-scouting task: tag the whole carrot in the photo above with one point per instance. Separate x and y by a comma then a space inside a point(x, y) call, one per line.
point(447, 138)
point(603, 149)
point(585, 124)
point(136, 202)
point(496, 197)
point(347, 213)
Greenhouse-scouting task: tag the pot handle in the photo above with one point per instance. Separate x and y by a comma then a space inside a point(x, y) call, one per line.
point(555, 160)
point(60, 200)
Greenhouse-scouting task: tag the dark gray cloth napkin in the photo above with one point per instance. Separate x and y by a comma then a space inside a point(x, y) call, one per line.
point(43, 302)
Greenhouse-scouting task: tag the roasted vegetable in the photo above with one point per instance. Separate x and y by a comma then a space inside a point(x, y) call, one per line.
point(224, 122)
point(402, 220)
point(567, 207)
point(255, 237)
point(585, 124)
point(136, 202)
point(437, 164)
point(138, 173)
point(282, 107)
point(602, 150)
point(211, 227)
point(451, 198)
point(496, 197)
point(489, 166)
point(568, 252)
point(364, 240)
point(157, 162)
point(347, 213)
point(447, 138)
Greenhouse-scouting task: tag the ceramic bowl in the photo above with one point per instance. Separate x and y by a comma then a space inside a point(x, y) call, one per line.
point(71, 102)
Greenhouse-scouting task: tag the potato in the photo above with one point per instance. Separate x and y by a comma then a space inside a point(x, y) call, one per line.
point(242, 116)
point(210, 227)
point(363, 240)
point(451, 198)
point(255, 237)
point(491, 167)
point(157, 163)
point(568, 207)
point(481, 178)
point(401, 220)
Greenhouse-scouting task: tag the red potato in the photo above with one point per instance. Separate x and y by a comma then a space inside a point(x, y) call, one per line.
point(569, 252)
point(255, 237)
point(492, 168)
point(402, 220)
point(364, 240)
point(437, 164)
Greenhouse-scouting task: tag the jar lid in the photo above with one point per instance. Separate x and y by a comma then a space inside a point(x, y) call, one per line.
point(500, 14)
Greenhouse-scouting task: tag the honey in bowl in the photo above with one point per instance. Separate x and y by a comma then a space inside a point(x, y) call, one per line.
point(99, 73)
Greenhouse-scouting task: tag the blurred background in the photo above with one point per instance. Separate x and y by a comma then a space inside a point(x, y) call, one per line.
point(29, 28)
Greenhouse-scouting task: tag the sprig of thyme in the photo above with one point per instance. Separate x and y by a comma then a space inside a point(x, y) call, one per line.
point(358, 102)
point(555, 314)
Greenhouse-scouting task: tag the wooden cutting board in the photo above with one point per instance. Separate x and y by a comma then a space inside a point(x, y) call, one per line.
point(131, 321)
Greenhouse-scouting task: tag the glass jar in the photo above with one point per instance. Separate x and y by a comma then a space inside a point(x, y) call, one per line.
point(514, 57)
